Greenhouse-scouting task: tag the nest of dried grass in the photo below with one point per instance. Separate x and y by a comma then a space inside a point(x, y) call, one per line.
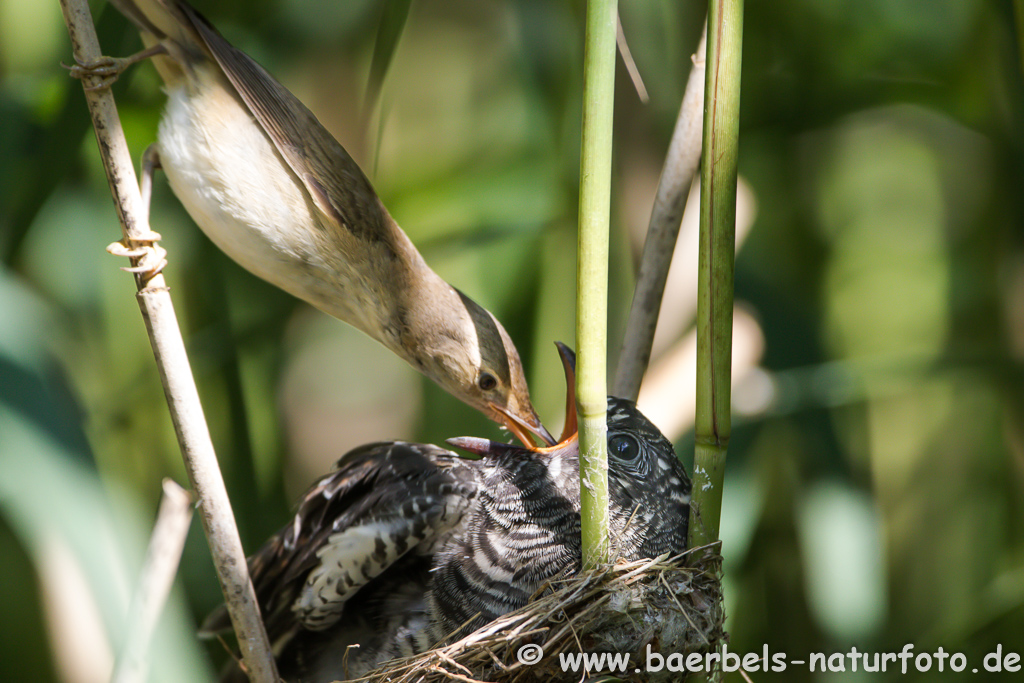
point(629, 607)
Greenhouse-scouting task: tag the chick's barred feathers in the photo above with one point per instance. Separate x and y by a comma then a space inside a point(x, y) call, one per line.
point(381, 501)
point(403, 544)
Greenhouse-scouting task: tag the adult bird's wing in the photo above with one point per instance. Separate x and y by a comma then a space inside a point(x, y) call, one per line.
point(337, 185)
point(382, 502)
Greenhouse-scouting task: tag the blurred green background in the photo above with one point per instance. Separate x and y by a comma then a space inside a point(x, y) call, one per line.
point(874, 484)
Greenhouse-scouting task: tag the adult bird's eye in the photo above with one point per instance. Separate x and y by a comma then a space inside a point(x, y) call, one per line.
point(486, 381)
point(624, 447)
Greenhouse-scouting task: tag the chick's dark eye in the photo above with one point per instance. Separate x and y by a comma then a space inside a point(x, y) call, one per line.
point(624, 447)
point(487, 381)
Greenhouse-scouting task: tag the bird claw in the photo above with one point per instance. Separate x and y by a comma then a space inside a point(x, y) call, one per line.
point(151, 256)
point(103, 72)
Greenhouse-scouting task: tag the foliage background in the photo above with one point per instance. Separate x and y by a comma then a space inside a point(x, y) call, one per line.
point(874, 486)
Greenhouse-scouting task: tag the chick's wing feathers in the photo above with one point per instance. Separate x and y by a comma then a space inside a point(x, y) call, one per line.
point(382, 502)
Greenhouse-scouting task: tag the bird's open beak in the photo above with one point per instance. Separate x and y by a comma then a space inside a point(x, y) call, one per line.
point(523, 429)
point(480, 446)
point(569, 367)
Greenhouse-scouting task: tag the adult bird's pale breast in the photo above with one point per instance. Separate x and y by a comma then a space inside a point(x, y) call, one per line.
point(258, 219)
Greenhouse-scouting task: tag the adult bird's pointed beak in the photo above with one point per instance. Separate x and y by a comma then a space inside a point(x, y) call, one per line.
point(523, 428)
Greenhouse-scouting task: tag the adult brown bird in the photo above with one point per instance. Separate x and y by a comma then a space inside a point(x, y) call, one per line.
point(275, 191)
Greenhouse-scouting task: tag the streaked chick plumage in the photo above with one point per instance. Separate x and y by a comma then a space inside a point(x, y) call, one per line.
point(403, 544)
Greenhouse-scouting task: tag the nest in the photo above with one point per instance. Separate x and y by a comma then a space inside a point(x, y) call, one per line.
point(638, 607)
